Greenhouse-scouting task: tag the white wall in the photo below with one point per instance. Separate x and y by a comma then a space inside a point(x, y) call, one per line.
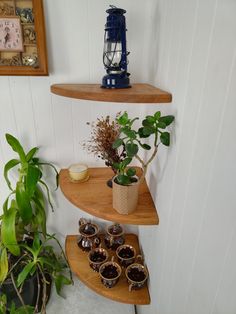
point(188, 48)
point(192, 260)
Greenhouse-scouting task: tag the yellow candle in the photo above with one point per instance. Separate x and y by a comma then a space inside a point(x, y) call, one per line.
point(78, 172)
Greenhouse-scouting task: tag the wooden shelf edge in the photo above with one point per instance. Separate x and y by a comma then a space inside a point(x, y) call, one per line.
point(95, 198)
point(138, 93)
point(79, 265)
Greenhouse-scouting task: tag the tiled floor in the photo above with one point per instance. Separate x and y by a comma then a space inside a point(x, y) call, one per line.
point(81, 300)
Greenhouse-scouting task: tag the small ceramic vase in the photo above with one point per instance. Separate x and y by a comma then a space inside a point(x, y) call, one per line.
point(88, 238)
point(114, 236)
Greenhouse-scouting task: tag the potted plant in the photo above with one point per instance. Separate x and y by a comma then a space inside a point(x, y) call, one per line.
point(28, 260)
point(126, 183)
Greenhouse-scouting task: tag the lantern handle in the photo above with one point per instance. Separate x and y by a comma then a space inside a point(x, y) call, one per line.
point(112, 6)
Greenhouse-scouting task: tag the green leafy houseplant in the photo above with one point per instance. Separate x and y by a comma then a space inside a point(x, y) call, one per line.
point(126, 183)
point(152, 127)
point(26, 249)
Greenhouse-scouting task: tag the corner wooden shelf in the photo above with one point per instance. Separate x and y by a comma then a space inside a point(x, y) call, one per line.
point(78, 262)
point(138, 93)
point(95, 197)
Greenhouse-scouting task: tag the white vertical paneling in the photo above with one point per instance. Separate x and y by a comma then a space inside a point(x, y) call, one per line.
point(23, 109)
point(192, 270)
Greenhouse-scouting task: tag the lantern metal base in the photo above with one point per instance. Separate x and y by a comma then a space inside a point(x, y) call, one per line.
point(116, 81)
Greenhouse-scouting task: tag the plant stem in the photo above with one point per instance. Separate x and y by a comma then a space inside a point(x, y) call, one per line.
point(38, 293)
point(18, 294)
point(145, 166)
point(43, 309)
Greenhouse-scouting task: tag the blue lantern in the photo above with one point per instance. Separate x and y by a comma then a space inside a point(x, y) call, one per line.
point(115, 54)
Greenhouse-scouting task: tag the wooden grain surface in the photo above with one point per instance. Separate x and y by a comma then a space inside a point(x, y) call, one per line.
point(138, 93)
point(79, 265)
point(95, 197)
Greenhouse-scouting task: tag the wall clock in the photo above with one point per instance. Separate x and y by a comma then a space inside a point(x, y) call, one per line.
point(22, 38)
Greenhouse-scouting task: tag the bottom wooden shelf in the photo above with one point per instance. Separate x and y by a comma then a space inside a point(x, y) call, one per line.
point(79, 265)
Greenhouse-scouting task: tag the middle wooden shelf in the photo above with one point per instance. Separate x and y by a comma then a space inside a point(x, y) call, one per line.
point(95, 197)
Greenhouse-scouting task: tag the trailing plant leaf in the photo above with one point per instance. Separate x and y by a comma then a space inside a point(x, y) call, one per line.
point(40, 216)
point(22, 310)
point(23, 202)
point(16, 146)
point(32, 178)
point(9, 165)
point(48, 193)
point(31, 153)
point(61, 280)
point(4, 267)
point(8, 231)
point(24, 273)
point(53, 167)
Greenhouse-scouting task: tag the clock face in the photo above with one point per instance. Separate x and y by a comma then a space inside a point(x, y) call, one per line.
point(10, 34)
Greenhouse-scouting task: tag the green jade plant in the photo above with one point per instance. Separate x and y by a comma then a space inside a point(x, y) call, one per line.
point(25, 245)
point(153, 127)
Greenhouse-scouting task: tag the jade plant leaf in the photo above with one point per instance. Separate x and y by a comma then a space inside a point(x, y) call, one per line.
point(131, 149)
point(167, 119)
point(117, 143)
point(131, 172)
point(165, 138)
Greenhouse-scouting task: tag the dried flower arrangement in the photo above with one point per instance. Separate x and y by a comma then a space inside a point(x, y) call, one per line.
point(104, 131)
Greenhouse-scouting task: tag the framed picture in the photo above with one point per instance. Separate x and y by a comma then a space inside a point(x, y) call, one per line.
point(22, 38)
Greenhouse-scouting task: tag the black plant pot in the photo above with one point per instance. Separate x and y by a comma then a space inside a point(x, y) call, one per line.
point(29, 292)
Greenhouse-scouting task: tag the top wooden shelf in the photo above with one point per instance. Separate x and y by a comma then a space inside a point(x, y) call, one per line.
point(138, 93)
point(95, 197)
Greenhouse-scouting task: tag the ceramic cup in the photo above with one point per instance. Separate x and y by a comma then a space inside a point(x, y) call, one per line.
point(110, 273)
point(97, 257)
point(126, 255)
point(136, 275)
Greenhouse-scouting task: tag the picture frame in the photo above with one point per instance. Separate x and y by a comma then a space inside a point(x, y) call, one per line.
point(32, 59)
